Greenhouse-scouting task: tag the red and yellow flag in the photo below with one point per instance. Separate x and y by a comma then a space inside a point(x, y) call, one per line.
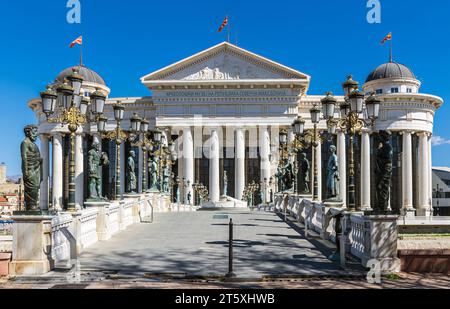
point(387, 38)
point(78, 41)
point(224, 24)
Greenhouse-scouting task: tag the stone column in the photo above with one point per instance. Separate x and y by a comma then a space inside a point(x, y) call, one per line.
point(264, 146)
point(45, 153)
point(319, 171)
point(407, 175)
point(188, 165)
point(424, 205)
point(239, 164)
point(79, 172)
point(57, 173)
point(430, 176)
point(180, 160)
point(341, 153)
point(365, 170)
point(214, 170)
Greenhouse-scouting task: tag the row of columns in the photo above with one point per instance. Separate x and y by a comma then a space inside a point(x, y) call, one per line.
point(186, 168)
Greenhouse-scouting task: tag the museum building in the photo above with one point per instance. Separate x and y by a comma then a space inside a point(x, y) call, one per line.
point(224, 109)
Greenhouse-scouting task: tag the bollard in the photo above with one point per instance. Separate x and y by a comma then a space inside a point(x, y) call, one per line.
point(230, 252)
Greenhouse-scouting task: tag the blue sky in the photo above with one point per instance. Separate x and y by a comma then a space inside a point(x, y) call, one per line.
point(125, 40)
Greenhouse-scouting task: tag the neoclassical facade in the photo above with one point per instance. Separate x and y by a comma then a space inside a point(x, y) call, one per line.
point(224, 108)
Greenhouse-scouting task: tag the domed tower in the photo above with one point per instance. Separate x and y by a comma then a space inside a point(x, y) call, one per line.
point(391, 78)
point(409, 116)
point(92, 80)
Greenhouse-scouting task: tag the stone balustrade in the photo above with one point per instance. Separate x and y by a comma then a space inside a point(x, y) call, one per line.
point(367, 238)
point(70, 233)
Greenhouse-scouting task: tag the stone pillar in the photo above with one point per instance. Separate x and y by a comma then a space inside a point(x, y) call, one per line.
point(239, 164)
point(365, 170)
point(188, 165)
point(424, 205)
point(214, 170)
point(319, 171)
point(45, 153)
point(407, 175)
point(264, 146)
point(32, 242)
point(79, 172)
point(57, 173)
point(180, 161)
point(341, 153)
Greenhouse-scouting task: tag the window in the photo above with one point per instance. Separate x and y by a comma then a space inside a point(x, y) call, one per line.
point(408, 90)
point(394, 90)
point(379, 91)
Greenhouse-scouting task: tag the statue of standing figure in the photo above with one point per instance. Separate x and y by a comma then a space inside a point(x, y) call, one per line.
point(31, 168)
point(131, 173)
point(166, 179)
point(383, 173)
point(333, 174)
point(288, 176)
point(279, 176)
point(153, 167)
point(304, 174)
point(225, 183)
point(95, 161)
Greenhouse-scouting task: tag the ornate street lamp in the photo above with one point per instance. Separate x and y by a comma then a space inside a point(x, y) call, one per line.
point(72, 110)
point(350, 122)
point(118, 135)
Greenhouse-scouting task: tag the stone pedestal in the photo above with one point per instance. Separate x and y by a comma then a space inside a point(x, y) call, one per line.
point(32, 246)
point(380, 234)
point(103, 231)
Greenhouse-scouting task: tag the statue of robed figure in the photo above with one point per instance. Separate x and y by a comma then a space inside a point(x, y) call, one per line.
point(166, 179)
point(225, 183)
point(131, 173)
point(383, 173)
point(333, 174)
point(305, 168)
point(31, 168)
point(153, 169)
point(95, 161)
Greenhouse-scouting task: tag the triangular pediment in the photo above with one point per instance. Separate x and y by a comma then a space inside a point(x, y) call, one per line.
point(225, 62)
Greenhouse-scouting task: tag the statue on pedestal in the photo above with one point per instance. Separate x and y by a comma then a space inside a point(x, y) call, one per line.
point(383, 173)
point(31, 168)
point(131, 173)
point(95, 160)
point(288, 176)
point(189, 198)
point(153, 167)
point(304, 174)
point(333, 174)
point(279, 176)
point(166, 179)
point(225, 183)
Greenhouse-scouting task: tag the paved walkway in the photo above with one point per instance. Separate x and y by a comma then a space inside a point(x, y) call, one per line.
point(196, 244)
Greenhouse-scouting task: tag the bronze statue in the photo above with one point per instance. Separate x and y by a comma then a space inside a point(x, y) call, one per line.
point(304, 174)
point(279, 176)
point(333, 174)
point(31, 168)
point(131, 173)
point(288, 176)
point(95, 161)
point(383, 173)
point(153, 168)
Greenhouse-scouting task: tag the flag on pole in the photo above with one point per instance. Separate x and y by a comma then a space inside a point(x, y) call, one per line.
point(224, 24)
point(387, 38)
point(78, 41)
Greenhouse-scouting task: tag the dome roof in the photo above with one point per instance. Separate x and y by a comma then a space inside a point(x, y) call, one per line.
point(390, 70)
point(89, 75)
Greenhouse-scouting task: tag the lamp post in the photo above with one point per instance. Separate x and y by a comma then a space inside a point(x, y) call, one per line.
point(352, 122)
point(72, 110)
point(118, 135)
point(145, 144)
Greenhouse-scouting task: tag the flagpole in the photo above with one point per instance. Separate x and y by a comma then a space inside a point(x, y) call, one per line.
point(390, 52)
point(229, 29)
point(81, 55)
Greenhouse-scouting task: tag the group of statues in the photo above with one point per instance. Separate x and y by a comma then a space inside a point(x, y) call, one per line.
point(32, 173)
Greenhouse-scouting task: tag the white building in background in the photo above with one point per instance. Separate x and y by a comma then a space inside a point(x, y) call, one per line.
point(225, 107)
point(441, 191)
